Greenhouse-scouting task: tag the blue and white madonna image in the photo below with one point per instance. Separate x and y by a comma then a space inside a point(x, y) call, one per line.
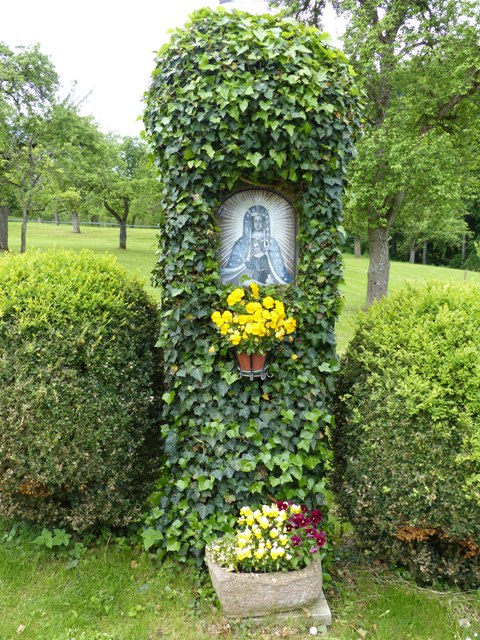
point(257, 238)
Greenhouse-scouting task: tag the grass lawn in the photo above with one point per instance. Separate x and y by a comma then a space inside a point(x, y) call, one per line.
point(140, 258)
point(126, 595)
point(116, 591)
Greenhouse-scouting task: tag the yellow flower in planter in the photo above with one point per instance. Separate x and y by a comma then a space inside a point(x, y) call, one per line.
point(281, 536)
point(235, 338)
point(253, 306)
point(217, 318)
point(227, 316)
point(253, 324)
point(235, 296)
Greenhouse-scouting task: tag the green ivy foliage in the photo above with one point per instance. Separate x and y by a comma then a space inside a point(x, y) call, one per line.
point(78, 390)
point(238, 100)
point(407, 436)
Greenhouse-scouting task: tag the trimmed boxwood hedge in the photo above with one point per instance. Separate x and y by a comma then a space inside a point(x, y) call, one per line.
point(407, 435)
point(238, 100)
point(78, 390)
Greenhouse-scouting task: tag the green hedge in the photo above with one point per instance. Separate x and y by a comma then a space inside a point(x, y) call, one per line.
point(407, 435)
point(238, 100)
point(78, 440)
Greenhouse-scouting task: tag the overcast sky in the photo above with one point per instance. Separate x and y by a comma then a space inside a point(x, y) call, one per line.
point(107, 47)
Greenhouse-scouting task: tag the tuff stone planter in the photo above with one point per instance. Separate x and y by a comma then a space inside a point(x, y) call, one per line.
point(281, 594)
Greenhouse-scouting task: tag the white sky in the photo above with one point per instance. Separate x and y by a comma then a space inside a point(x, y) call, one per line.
point(108, 47)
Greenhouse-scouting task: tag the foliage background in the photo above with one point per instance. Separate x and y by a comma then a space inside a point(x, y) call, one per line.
point(239, 100)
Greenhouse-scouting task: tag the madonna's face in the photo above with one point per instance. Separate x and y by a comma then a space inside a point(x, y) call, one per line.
point(258, 223)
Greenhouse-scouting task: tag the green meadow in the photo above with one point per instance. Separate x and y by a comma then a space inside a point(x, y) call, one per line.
point(139, 257)
point(110, 591)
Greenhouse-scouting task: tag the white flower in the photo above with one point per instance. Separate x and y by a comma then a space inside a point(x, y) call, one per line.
point(313, 631)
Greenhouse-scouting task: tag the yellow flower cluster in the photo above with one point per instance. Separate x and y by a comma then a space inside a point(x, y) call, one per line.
point(263, 541)
point(254, 323)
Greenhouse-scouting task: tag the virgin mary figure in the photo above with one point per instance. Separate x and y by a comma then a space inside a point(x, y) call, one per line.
point(256, 255)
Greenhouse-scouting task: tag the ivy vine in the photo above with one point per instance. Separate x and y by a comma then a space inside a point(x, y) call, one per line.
point(238, 100)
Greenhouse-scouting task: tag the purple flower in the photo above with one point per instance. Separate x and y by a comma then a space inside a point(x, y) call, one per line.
point(296, 541)
point(313, 549)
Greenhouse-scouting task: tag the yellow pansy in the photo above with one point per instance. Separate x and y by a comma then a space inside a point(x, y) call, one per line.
point(227, 316)
point(224, 329)
point(290, 325)
point(253, 306)
point(279, 308)
point(277, 552)
point(255, 290)
point(235, 296)
point(235, 338)
point(268, 302)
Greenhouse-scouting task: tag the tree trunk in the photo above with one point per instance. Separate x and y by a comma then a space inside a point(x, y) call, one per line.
point(379, 264)
point(123, 234)
point(23, 234)
point(122, 220)
point(413, 252)
point(357, 247)
point(57, 219)
point(75, 222)
point(464, 249)
point(425, 253)
point(3, 228)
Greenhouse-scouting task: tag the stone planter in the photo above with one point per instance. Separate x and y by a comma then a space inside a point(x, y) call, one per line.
point(282, 594)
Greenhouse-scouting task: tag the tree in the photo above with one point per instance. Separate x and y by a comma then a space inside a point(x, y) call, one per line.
point(28, 82)
point(419, 65)
point(128, 182)
point(3, 228)
point(79, 151)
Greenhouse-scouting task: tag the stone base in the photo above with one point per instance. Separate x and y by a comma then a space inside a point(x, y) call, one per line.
point(318, 612)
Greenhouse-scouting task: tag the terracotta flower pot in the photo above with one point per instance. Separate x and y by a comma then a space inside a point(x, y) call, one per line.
point(252, 365)
point(254, 595)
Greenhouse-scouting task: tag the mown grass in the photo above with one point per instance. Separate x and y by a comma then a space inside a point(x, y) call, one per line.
point(118, 591)
point(139, 257)
point(127, 595)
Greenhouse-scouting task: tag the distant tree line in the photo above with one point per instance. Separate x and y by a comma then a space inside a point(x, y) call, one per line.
point(56, 164)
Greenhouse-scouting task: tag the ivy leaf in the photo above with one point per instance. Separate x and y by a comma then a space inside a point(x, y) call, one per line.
point(150, 537)
point(168, 397)
point(254, 158)
point(171, 442)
